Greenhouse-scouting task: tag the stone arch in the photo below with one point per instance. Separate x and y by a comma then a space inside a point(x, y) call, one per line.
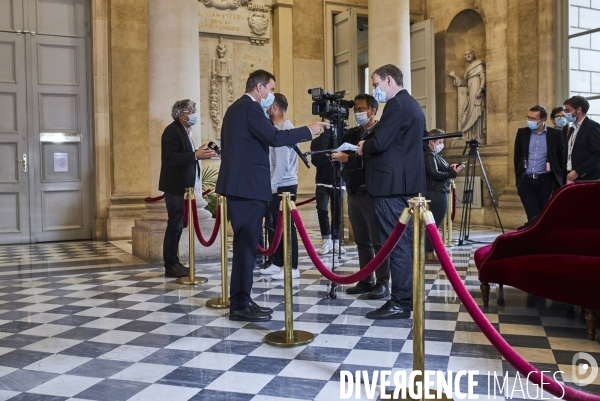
point(465, 32)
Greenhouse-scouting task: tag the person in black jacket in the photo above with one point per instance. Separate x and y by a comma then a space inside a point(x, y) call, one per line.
point(395, 172)
point(538, 162)
point(560, 121)
point(179, 170)
point(439, 173)
point(245, 181)
point(360, 204)
point(324, 193)
point(582, 155)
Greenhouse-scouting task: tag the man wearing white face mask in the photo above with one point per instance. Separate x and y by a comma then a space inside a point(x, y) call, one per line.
point(244, 179)
point(395, 172)
point(538, 162)
point(360, 204)
point(179, 170)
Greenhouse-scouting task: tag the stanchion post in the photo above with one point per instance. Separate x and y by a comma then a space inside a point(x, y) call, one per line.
point(192, 279)
point(419, 206)
point(449, 212)
point(288, 337)
point(223, 301)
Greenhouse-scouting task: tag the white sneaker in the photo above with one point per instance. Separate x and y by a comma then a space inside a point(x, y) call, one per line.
point(336, 247)
point(327, 247)
point(279, 276)
point(270, 270)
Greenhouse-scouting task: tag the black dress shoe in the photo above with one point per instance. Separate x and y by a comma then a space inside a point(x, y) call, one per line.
point(177, 270)
point(249, 315)
point(261, 309)
point(360, 288)
point(390, 310)
point(379, 291)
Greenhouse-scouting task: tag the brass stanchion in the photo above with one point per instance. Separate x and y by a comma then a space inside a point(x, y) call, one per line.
point(192, 279)
point(223, 301)
point(288, 337)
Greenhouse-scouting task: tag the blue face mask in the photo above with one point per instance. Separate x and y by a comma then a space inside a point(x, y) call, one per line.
point(192, 119)
point(379, 95)
point(265, 103)
point(560, 122)
point(361, 118)
point(532, 124)
point(570, 117)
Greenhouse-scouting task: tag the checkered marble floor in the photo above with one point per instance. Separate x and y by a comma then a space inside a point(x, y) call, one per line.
point(74, 330)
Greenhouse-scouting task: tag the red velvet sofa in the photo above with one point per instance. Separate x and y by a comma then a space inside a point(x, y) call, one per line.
point(557, 257)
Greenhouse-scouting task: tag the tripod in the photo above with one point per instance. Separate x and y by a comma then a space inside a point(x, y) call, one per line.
point(465, 221)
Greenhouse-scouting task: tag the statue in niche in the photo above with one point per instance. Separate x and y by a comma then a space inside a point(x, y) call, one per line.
point(221, 86)
point(221, 50)
point(471, 119)
point(224, 4)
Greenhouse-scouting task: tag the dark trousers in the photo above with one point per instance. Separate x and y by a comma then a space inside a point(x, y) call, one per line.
point(438, 207)
point(174, 228)
point(246, 219)
point(324, 197)
point(277, 258)
point(534, 193)
point(365, 227)
point(387, 211)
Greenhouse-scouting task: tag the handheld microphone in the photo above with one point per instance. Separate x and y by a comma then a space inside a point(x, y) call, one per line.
point(213, 146)
point(301, 155)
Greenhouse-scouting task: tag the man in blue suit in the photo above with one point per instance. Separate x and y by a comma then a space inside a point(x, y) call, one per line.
point(245, 180)
point(395, 172)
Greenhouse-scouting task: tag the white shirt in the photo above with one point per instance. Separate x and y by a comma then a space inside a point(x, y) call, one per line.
point(197, 183)
point(571, 143)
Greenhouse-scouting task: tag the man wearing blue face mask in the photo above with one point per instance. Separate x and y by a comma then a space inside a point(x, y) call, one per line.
point(360, 203)
point(395, 172)
point(582, 156)
point(179, 170)
point(244, 179)
point(538, 162)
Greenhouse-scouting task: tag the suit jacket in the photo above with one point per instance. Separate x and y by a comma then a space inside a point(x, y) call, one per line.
point(246, 135)
point(585, 157)
point(178, 166)
point(555, 145)
point(395, 163)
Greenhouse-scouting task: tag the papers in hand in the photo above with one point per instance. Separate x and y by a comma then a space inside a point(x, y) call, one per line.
point(346, 146)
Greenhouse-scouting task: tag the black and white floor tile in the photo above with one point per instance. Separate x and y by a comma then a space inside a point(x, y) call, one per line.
point(88, 321)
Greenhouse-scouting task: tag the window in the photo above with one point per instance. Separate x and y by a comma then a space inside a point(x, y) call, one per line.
point(584, 52)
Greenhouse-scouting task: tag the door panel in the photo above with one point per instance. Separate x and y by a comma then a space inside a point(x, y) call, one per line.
point(57, 17)
point(14, 182)
point(11, 15)
point(422, 68)
point(344, 53)
point(60, 134)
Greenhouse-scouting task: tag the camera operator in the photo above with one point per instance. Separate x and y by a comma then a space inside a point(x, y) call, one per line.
point(394, 173)
point(360, 204)
point(324, 188)
point(244, 180)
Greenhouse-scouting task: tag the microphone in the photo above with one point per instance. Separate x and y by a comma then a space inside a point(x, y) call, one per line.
point(213, 146)
point(302, 156)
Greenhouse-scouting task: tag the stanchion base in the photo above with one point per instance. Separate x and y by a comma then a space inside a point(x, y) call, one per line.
point(218, 303)
point(280, 339)
point(186, 280)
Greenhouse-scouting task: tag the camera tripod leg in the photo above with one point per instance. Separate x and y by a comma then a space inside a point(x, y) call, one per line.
point(489, 188)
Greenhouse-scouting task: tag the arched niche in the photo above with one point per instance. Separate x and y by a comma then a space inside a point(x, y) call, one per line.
point(465, 32)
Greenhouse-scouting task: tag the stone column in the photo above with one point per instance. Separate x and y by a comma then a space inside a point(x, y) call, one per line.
point(282, 51)
point(389, 35)
point(173, 74)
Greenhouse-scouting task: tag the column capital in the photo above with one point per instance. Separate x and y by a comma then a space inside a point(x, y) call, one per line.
point(283, 3)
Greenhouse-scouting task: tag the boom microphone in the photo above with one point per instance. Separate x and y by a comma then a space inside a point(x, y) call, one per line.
point(302, 156)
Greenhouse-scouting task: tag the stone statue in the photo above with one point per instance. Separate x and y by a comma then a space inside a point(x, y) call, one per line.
point(258, 22)
point(221, 48)
point(224, 4)
point(472, 116)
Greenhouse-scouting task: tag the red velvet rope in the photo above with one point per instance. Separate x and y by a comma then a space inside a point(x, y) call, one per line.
point(366, 271)
point(516, 360)
point(161, 197)
point(453, 203)
point(306, 201)
point(215, 231)
point(276, 238)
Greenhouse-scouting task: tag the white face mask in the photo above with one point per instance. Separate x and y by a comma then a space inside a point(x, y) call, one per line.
point(361, 118)
point(438, 148)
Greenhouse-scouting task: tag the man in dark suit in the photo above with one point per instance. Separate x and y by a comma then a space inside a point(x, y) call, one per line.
point(582, 156)
point(244, 178)
point(538, 162)
point(179, 170)
point(395, 172)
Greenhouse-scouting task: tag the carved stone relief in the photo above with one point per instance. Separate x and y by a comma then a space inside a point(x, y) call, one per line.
point(236, 18)
point(221, 86)
point(224, 4)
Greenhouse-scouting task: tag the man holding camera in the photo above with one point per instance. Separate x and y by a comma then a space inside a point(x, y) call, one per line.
point(179, 170)
point(395, 172)
point(244, 180)
point(361, 210)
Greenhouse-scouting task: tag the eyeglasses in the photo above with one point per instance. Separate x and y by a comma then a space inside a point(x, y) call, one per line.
point(192, 111)
point(533, 119)
point(359, 110)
